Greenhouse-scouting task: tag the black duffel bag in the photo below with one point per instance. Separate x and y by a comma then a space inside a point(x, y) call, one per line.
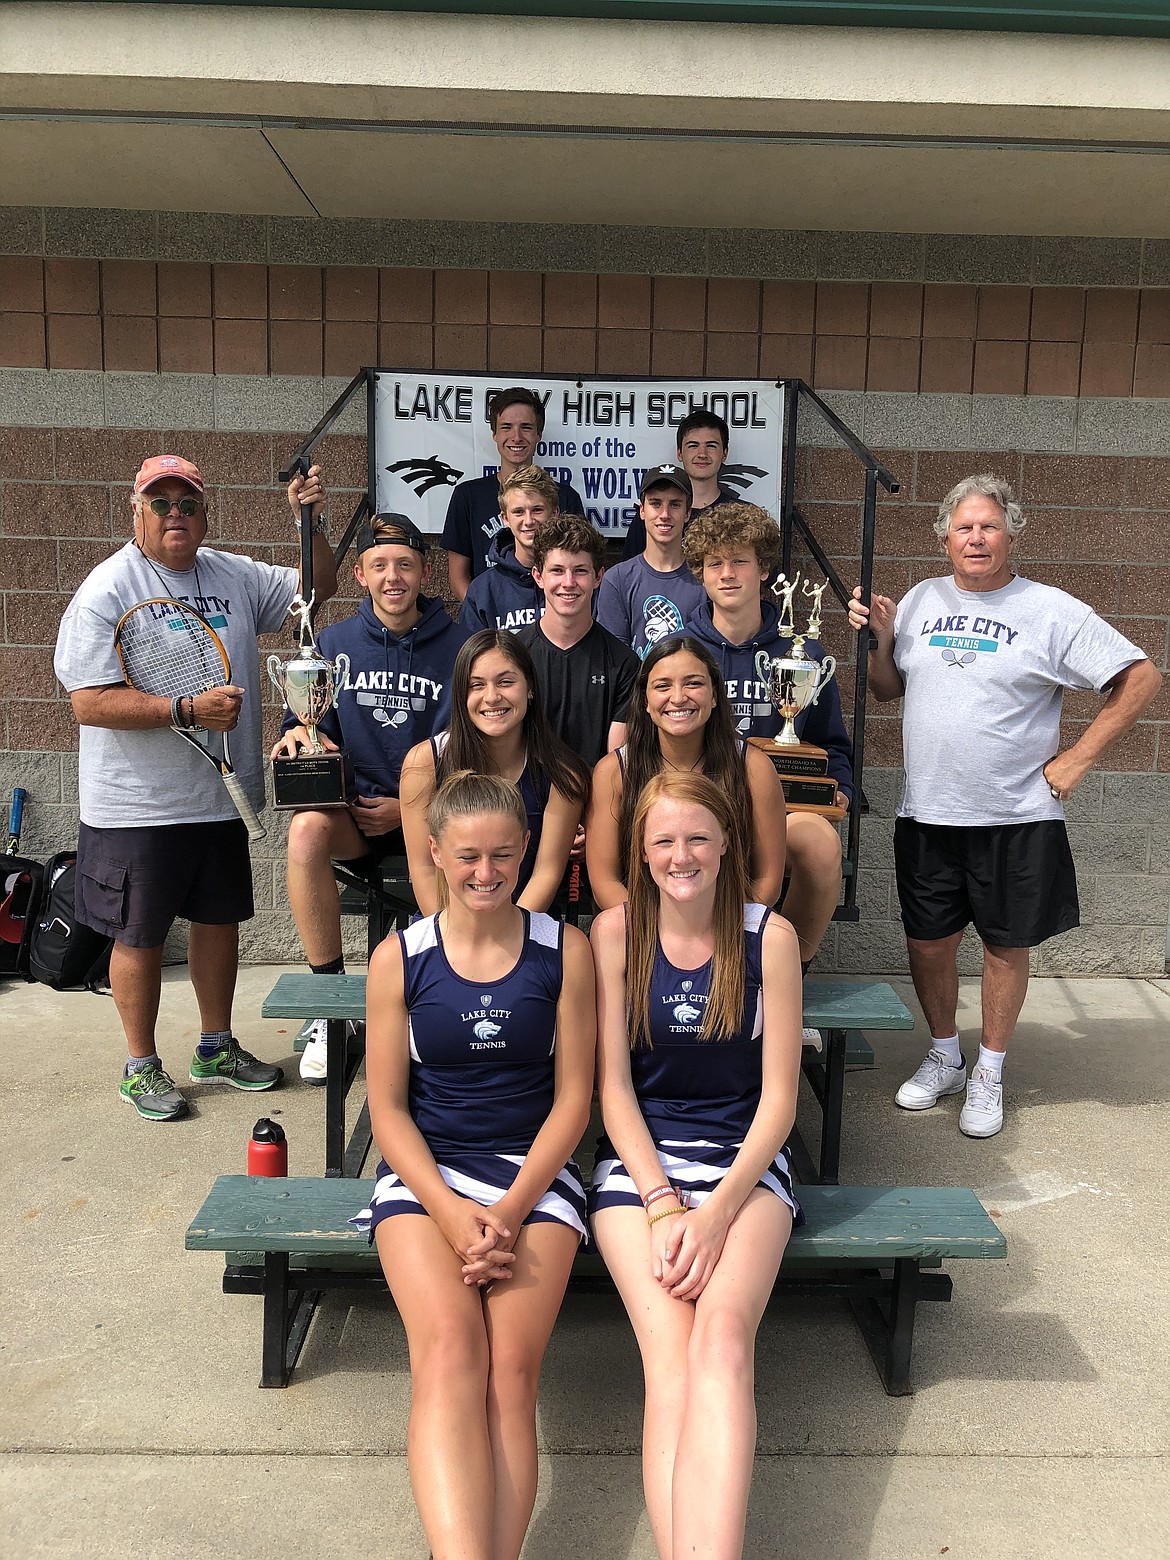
point(63, 953)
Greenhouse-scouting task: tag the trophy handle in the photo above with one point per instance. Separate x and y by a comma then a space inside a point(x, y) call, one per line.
point(341, 670)
point(275, 668)
point(828, 667)
point(763, 667)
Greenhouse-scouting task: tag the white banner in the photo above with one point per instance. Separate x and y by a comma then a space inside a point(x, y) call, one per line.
point(600, 435)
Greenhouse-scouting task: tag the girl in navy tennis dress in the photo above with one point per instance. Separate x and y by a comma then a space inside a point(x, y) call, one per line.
point(498, 726)
point(692, 1202)
point(479, 1058)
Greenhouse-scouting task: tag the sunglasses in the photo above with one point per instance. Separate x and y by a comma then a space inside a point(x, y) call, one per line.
point(163, 506)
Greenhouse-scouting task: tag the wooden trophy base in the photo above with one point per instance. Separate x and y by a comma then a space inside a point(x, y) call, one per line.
point(804, 775)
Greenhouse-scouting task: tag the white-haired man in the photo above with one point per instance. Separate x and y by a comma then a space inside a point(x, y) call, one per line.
point(982, 658)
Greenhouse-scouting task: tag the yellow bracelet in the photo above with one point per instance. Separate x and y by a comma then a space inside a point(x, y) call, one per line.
point(665, 1214)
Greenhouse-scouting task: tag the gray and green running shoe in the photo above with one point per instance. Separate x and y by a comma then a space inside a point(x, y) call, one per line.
point(236, 1066)
point(153, 1094)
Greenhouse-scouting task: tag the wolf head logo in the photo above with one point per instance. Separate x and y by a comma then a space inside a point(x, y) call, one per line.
point(486, 1030)
point(686, 1014)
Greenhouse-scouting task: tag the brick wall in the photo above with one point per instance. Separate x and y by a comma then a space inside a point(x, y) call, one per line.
point(142, 316)
point(1062, 386)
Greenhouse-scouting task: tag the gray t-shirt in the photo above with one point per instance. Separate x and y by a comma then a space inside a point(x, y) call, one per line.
point(985, 673)
point(640, 605)
point(134, 779)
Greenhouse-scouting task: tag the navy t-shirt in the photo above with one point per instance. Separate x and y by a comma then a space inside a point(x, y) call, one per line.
point(473, 517)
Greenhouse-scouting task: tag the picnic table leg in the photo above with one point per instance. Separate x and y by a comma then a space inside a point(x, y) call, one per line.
point(832, 1106)
point(889, 1330)
point(287, 1314)
point(272, 1357)
point(336, 1066)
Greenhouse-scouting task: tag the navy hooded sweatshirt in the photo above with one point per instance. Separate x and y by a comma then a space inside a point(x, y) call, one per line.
point(397, 693)
point(753, 712)
point(506, 596)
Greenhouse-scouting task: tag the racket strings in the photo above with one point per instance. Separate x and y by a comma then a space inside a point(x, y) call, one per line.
point(171, 655)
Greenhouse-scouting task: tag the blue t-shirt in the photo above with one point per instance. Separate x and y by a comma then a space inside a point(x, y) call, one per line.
point(640, 605)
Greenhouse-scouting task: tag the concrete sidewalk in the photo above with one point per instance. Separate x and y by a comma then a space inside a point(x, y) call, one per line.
point(131, 1424)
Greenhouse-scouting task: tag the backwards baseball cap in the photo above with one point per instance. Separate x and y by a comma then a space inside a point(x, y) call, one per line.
point(158, 467)
point(392, 531)
point(675, 476)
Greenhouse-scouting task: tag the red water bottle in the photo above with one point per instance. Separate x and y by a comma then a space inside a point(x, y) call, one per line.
point(267, 1149)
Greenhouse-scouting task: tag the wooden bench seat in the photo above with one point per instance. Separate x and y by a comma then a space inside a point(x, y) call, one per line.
point(288, 1239)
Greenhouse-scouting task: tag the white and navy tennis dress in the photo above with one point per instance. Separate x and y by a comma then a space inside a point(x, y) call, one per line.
point(481, 1073)
point(698, 1097)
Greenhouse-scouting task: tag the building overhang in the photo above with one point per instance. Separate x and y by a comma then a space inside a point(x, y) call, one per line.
point(380, 112)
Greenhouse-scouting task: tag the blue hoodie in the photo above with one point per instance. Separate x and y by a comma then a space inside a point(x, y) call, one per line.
point(397, 693)
point(753, 712)
point(506, 596)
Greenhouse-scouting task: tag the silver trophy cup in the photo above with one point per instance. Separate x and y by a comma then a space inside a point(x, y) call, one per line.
point(793, 682)
point(308, 685)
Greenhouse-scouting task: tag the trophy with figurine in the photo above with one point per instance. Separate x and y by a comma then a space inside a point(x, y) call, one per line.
point(793, 683)
point(307, 683)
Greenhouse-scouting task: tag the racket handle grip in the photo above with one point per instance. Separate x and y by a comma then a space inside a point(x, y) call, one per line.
point(256, 830)
point(19, 797)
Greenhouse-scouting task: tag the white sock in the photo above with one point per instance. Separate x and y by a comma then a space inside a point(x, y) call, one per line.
point(949, 1047)
point(992, 1062)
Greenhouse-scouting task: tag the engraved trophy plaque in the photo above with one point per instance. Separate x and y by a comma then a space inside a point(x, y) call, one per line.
point(307, 683)
point(793, 683)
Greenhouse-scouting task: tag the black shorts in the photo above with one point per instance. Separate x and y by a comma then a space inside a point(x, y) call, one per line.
point(1015, 881)
point(133, 883)
point(378, 848)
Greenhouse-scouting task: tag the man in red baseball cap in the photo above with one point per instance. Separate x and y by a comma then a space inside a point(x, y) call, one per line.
point(160, 837)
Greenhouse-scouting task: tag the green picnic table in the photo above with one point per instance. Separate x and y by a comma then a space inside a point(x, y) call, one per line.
point(835, 1007)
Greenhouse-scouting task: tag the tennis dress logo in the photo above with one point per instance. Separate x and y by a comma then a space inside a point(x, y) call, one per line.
point(686, 1008)
point(487, 1024)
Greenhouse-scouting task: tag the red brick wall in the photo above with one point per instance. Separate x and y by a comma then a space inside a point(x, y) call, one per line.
point(189, 317)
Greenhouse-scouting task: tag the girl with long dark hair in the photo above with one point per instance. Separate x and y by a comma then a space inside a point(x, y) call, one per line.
point(679, 722)
point(498, 727)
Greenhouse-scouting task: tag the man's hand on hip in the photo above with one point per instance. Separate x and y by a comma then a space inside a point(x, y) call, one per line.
point(1064, 773)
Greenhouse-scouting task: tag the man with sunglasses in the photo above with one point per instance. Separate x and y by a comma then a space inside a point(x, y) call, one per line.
point(160, 838)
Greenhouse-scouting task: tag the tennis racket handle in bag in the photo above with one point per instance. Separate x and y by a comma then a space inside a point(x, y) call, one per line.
point(267, 1149)
point(256, 830)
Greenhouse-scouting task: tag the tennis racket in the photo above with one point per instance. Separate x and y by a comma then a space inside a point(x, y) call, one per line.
point(168, 650)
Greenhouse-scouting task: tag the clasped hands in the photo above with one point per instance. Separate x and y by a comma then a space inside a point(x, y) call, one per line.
point(483, 1238)
point(685, 1249)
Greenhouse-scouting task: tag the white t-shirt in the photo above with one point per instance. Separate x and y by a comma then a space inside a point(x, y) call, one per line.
point(134, 779)
point(985, 673)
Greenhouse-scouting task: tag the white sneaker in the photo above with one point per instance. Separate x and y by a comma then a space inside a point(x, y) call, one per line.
point(982, 1115)
point(812, 1037)
point(314, 1058)
point(933, 1079)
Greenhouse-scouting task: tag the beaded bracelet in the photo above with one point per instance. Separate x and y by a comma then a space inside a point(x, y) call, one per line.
point(665, 1214)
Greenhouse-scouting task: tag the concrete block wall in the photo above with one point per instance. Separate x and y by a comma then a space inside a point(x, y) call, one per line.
point(125, 334)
